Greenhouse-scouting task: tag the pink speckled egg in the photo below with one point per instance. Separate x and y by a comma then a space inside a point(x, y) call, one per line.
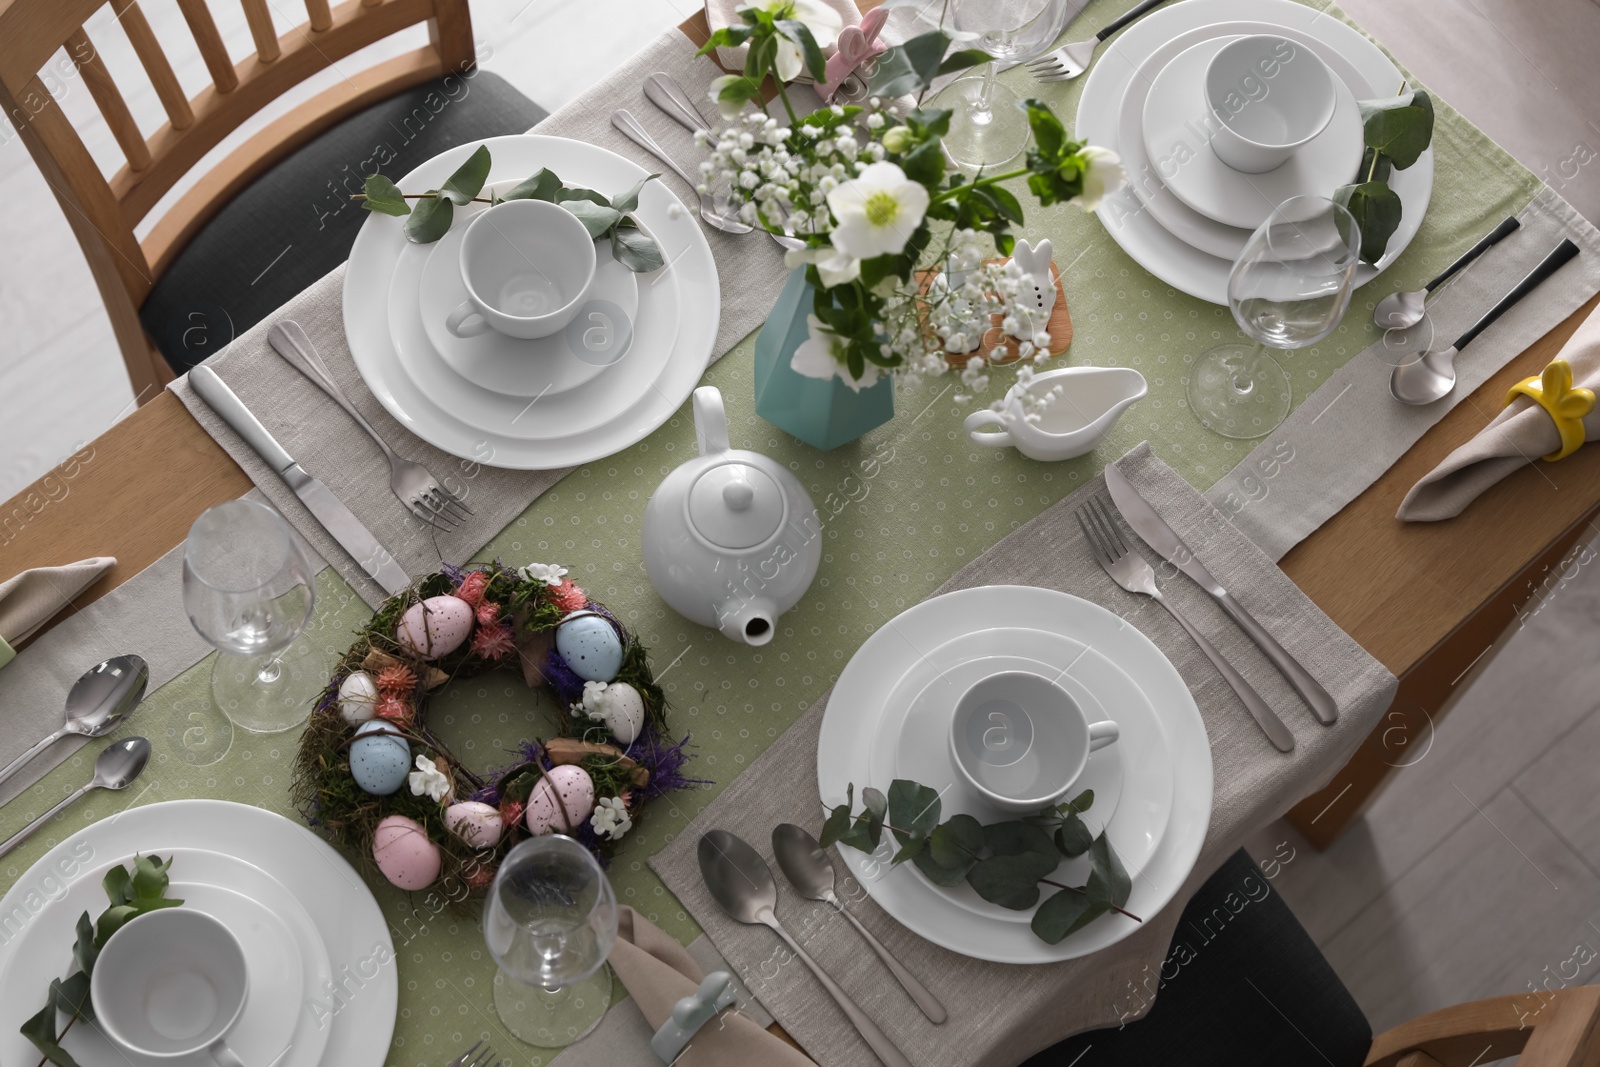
point(404, 853)
point(476, 823)
point(576, 790)
point(436, 627)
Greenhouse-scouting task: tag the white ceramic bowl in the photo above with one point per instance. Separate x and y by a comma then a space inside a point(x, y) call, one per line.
point(527, 266)
point(1268, 96)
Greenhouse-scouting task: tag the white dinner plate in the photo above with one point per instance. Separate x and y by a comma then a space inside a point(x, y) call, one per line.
point(351, 927)
point(871, 676)
point(585, 423)
point(1177, 128)
point(283, 951)
point(1131, 779)
point(1165, 255)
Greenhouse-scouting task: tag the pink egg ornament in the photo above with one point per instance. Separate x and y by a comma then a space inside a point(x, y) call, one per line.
point(404, 853)
point(436, 627)
point(576, 790)
point(476, 823)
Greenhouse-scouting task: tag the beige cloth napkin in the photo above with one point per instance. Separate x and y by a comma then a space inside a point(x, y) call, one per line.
point(1519, 435)
point(724, 13)
point(659, 972)
point(32, 598)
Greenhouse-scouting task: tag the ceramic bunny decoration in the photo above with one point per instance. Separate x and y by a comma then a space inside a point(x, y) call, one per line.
point(970, 326)
point(716, 992)
point(850, 65)
point(1032, 263)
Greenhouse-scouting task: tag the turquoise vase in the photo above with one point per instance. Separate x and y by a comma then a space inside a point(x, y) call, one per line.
point(823, 414)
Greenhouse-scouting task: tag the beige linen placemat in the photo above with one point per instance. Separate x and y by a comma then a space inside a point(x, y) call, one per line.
point(1001, 1014)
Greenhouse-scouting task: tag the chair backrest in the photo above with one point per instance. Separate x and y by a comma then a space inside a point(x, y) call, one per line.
point(104, 211)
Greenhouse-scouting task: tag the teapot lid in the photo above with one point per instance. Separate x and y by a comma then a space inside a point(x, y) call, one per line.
point(735, 505)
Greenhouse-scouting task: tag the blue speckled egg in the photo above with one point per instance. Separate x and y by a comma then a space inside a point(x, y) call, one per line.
point(590, 645)
point(380, 758)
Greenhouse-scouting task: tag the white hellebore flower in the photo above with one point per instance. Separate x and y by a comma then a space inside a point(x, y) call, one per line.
point(834, 267)
point(428, 780)
point(1103, 176)
point(548, 573)
point(876, 211)
point(822, 356)
point(610, 818)
point(823, 22)
point(728, 109)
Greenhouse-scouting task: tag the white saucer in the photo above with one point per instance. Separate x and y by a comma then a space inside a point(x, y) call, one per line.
point(543, 366)
point(1177, 132)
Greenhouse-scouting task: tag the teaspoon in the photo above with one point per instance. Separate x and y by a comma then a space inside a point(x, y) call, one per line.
point(1401, 311)
point(118, 764)
point(636, 133)
point(97, 703)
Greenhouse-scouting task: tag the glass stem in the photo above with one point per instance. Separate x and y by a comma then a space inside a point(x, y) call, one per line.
point(1244, 384)
point(271, 672)
point(985, 105)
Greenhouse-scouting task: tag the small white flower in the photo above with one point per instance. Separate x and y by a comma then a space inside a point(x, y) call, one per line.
point(548, 573)
point(610, 818)
point(1103, 176)
point(727, 108)
point(428, 780)
point(876, 211)
point(594, 699)
point(834, 267)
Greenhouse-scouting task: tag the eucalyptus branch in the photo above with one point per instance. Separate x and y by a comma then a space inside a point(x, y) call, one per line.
point(424, 196)
point(1085, 892)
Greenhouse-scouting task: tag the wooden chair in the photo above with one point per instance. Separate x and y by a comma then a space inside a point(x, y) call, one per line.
point(104, 211)
point(1245, 986)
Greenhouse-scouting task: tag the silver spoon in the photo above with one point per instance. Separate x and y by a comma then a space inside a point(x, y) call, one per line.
point(118, 764)
point(97, 703)
point(811, 873)
point(1400, 311)
point(1431, 377)
point(636, 133)
point(742, 883)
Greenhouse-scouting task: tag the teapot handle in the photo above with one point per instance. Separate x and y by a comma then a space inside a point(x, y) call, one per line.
point(710, 421)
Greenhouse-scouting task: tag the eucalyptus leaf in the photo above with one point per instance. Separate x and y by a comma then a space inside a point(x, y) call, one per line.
point(635, 250)
point(908, 69)
point(956, 842)
point(87, 947)
point(913, 808)
point(1015, 838)
point(118, 885)
point(1064, 913)
point(383, 196)
point(570, 193)
point(72, 995)
point(629, 200)
point(1114, 879)
point(877, 806)
point(963, 59)
point(112, 920)
point(1377, 210)
point(939, 874)
point(837, 824)
point(597, 219)
point(911, 846)
point(1073, 837)
point(1400, 127)
point(468, 179)
point(1011, 881)
point(430, 219)
point(1078, 804)
point(541, 185)
point(40, 1029)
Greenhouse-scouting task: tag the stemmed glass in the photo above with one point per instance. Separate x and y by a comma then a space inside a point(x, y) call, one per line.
point(987, 127)
point(248, 590)
point(550, 922)
point(1288, 289)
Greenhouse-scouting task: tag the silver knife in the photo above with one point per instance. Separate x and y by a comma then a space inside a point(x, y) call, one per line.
point(1148, 524)
point(337, 519)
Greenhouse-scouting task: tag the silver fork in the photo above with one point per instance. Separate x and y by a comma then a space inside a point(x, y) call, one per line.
point(1071, 60)
point(414, 484)
point(1133, 572)
point(473, 1057)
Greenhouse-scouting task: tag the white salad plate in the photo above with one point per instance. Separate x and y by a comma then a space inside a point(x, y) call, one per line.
point(846, 753)
point(1131, 779)
point(357, 952)
point(589, 421)
point(1177, 125)
point(1109, 85)
point(283, 952)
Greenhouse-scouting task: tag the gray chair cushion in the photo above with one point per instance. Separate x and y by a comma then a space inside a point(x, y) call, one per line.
point(297, 222)
point(1243, 985)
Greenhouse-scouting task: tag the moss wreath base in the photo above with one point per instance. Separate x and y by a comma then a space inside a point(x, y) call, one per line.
point(374, 781)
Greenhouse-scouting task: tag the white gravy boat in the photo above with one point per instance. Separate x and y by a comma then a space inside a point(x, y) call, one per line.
point(1075, 422)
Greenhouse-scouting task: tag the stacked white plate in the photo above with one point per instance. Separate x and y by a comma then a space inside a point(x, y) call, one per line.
point(532, 405)
point(1185, 216)
point(889, 717)
point(323, 987)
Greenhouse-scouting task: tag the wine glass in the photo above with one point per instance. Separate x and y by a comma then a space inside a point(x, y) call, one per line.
point(1288, 289)
point(248, 590)
point(987, 125)
point(550, 922)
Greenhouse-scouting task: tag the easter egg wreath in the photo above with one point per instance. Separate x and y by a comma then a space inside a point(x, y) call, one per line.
point(373, 779)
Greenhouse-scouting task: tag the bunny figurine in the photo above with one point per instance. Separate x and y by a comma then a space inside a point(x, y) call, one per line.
point(1031, 263)
point(954, 311)
point(716, 992)
point(851, 64)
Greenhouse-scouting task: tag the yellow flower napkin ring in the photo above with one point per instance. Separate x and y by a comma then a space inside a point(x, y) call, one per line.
point(1567, 406)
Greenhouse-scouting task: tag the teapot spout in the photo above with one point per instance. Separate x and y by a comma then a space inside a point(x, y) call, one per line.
point(750, 621)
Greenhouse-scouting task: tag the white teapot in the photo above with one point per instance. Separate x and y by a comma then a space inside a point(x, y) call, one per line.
point(731, 539)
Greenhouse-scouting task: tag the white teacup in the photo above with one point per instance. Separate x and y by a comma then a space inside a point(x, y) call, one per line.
point(527, 266)
point(1268, 96)
point(1091, 401)
point(171, 983)
point(1021, 740)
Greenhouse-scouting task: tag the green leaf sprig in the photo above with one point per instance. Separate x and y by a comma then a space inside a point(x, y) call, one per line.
point(434, 213)
point(1005, 862)
point(131, 893)
point(1396, 131)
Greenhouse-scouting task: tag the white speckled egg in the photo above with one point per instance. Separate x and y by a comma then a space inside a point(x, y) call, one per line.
point(623, 712)
point(476, 823)
point(380, 758)
point(436, 627)
point(358, 698)
point(590, 645)
point(404, 853)
point(576, 790)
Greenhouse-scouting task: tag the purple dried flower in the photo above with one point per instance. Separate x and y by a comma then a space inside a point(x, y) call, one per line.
point(453, 572)
point(566, 682)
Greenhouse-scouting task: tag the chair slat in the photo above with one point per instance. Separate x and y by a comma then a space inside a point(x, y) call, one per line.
point(260, 19)
point(209, 41)
point(321, 16)
point(148, 49)
point(109, 99)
